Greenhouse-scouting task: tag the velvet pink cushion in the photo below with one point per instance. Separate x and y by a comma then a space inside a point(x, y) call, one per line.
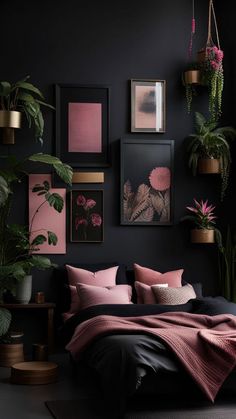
point(145, 294)
point(91, 296)
point(150, 277)
point(104, 278)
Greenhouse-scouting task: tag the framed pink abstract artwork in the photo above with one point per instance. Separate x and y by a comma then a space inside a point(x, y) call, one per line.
point(148, 105)
point(82, 125)
point(43, 218)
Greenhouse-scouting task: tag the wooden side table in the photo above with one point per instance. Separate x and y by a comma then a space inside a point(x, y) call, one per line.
point(34, 306)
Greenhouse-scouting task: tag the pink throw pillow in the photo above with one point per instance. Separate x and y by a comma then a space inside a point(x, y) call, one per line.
point(145, 294)
point(150, 277)
point(104, 278)
point(90, 295)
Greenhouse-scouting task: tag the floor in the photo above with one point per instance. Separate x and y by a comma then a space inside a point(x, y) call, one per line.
point(27, 402)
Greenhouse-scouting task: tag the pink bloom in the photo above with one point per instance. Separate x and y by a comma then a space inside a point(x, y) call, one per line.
point(214, 65)
point(96, 220)
point(90, 203)
point(160, 178)
point(80, 221)
point(81, 200)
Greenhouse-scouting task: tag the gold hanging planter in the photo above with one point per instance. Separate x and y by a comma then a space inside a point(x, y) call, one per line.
point(9, 121)
point(192, 77)
point(202, 236)
point(208, 166)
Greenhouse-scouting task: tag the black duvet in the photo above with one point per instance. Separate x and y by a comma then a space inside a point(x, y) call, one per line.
point(123, 360)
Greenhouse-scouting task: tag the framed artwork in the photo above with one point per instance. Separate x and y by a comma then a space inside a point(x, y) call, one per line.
point(148, 104)
point(79, 177)
point(87, 218)
point(147, 184)
point(43, 218)
point(82, 125)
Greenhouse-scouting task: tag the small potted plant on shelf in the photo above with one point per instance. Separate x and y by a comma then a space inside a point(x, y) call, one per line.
point(16, 245)
point(15, 99)
point(209, 151)
point(202, 217)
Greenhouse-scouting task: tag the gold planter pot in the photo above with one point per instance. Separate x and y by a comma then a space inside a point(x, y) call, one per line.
point(202, 236)
point(208, 166)
point(9, 121)
point(192, 77)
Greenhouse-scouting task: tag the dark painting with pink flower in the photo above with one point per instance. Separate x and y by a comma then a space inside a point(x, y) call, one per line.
point(146, 181)
point(87, 216)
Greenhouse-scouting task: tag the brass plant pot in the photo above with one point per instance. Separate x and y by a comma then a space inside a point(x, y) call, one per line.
point(208, 166)
point(192, 77)
point(202, 236)
point(9, 121)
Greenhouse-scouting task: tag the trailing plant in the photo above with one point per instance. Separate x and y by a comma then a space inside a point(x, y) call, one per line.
point(24, 97)
point(211, 142)
point(213, 77)
point(226, 264)
point(202, 215)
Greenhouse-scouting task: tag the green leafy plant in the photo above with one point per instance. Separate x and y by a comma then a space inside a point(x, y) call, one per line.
point(5, 321)
point(226, 264)
point(24, 97)
point(211, 142)
point(16, 247)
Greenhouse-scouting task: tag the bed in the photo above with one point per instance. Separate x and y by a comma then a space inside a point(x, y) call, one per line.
point(132, 361)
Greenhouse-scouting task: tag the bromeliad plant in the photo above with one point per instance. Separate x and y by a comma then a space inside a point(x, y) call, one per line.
point(16, 245)
point(24, 97)
point(202, 215)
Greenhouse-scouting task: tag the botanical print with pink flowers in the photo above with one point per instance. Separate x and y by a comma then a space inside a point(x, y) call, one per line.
point(151, 200)
point(87, 216)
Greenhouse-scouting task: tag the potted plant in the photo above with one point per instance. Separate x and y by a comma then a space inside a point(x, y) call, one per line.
point(202, 217)
point(191, 78)
point(16, 247)
point(208, 149)
point(15, 99)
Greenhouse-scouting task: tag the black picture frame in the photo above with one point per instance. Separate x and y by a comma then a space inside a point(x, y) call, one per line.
point(86, 216)
point(67, 94)
point(147, 173)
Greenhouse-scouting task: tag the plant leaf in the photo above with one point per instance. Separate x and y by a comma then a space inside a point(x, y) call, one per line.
point(40, 239)
point(29, 87)
point(41, 262)
point(5, 88)
point(146, 215)
point(64, 171)
point(55, 200)
point(5, 321)
point(52, 238)
point(4, 191)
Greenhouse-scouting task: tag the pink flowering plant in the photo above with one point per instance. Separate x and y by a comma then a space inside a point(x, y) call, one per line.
point(213, 76)
point(86, 217)
point(202, 215)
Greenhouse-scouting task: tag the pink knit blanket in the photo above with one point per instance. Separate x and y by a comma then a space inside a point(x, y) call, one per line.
point(204, 345)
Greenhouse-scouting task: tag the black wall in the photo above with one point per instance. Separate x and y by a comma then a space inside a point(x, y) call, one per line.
point(109, 43)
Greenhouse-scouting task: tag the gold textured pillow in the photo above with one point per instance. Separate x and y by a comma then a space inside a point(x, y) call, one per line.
point(173, 296)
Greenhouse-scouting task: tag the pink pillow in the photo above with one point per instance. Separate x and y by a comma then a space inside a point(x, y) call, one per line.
point(91, 296)
point(104, 278)
point(145, 294)
point(150, 277)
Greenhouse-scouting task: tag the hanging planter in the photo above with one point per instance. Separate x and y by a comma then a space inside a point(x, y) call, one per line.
point(9, 121)
point(207, 166)
point(192, 77)
point(202, 235)
point(210, 59)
